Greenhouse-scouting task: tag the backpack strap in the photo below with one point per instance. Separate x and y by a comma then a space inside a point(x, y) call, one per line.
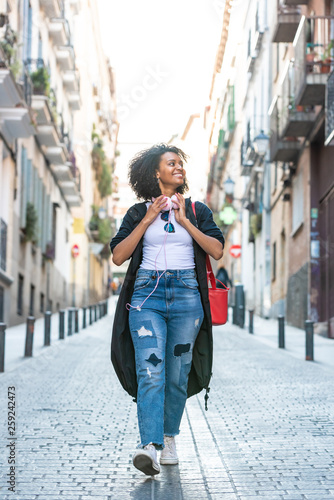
point(209, 272)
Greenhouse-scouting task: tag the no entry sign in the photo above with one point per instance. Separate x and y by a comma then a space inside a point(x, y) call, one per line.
point(235, 251)
point(75, 251)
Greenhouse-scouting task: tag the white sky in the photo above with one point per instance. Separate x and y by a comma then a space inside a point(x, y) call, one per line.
point(163, 54)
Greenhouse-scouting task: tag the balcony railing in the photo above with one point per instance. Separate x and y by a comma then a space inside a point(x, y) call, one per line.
point(282, 148)
point(69, 180)
point(59, 31)
point(329, 132)
point(296, 2)
point(52, 8)
point(314, 59)
point(296, 121)
point(3, 244)
point(286, 23)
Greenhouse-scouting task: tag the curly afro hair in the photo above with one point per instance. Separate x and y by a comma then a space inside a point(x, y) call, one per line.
point(144, 166)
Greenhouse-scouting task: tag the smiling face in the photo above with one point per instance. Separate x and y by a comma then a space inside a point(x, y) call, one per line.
point(171, 173)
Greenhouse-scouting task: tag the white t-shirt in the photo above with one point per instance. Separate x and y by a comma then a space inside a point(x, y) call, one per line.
point(176, 253)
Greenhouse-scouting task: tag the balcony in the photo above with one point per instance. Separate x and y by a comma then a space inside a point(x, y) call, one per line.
point(59, 31)
point(65, 57)
point(282, 148)
point(286, 26)
point(68, 178)
point(10, 94)
point(52, 8)
point(15, 119)
point(71, 80)
point(63, 172)
point(47, 135)
point(296, 121)
point(56, 155)
point(75, 4)
point(329, 128)
point(314, 59)
point(40, 104)
point(74, 100)
point(16, 123)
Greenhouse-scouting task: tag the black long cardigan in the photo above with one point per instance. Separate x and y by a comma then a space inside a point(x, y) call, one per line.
point(122, 351)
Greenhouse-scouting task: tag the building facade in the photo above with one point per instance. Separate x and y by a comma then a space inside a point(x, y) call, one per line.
point(43, 179)
point(281, 72)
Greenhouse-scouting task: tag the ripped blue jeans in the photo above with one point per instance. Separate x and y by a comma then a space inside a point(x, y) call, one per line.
point(163, 334)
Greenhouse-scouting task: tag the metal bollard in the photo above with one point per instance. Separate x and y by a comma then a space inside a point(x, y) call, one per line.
point(234, 314)
point(95, 312)
point(61, 324)
point(29, 336)
point(90, 315)
point(101, 309)
point(47, 328)
point(281, 332)
point(106, 308)
point(309, 340)
point(2, 346)
point(84, 317)
point(76, 320)
point(241, 319)
point(69, 322)
point(251, 321)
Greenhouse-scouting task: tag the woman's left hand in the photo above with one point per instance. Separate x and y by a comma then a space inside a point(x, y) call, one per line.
point(180, 214)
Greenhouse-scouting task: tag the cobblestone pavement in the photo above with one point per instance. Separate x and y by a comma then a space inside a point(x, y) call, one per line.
point(268, 432)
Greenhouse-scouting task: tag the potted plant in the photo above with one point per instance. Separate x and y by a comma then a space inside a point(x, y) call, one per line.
point(326, 59)
point(9, 47)
point(30, 230)
point(41, 81)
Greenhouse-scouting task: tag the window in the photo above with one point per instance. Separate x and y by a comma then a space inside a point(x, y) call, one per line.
point(297, 201)
point(54, 228)
point(27, 30)
point(41, 302)
point(3, 244)
point(2, 305)
point(40, 49)
point(274, 177)
point(20, 295)
point(249, 43)
point(273, 274)
point(32, 300)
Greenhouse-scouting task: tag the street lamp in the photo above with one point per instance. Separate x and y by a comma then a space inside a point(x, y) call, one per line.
point(229, 186)
point(102, 213)
point(261, 143)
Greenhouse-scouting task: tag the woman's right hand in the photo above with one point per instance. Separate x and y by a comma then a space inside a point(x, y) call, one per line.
point(126, 247)
point(154, 209)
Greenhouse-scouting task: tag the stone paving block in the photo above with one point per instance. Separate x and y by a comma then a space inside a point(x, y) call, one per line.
point(268, 432)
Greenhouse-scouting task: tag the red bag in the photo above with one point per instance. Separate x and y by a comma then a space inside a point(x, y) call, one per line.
point(218, 297)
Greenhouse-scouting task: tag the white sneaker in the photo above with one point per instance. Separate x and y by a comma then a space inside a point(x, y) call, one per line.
point(145, 459)
point(169, 455)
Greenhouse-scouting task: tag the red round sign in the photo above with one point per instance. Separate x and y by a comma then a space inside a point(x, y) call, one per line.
point(75, 251)
point(235, 251)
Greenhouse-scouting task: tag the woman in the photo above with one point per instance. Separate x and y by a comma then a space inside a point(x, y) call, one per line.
point(162, 348)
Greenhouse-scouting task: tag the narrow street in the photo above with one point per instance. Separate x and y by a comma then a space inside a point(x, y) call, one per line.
point(268, 432)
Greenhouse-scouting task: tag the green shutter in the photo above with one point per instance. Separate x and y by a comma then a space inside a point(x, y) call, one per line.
point(39, 206)
point(23, 193)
